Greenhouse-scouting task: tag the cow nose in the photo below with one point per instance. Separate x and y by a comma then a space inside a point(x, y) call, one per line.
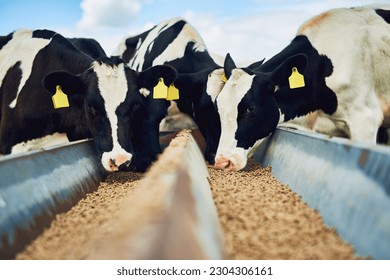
point(116, 161)
point(224, 163)
point(112, 165)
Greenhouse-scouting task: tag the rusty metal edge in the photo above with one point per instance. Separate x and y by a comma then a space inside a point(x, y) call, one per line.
point(348, 182)
point(179, 217)
point(35, 186)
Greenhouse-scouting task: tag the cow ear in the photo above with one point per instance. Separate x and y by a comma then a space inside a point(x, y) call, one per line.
point(70, 83)
point(150, 77)
point(281, 74)
point(256, 64)
point(228, 66)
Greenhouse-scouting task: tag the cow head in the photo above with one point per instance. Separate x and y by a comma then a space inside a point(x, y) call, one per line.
point(248, 109)
point(111, 94)
point(198, 92)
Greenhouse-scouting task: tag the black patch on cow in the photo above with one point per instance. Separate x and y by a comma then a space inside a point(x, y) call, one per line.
point(88, 46)
point(385, 14)
point(8, 91)
point(5, 39)
point(43, 34)
point(131, 46)
point(10, 84)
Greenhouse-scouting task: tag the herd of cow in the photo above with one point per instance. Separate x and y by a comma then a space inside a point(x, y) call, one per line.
point(51, 87)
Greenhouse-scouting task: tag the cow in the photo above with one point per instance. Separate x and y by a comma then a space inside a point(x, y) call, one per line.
point(338, 64)
point(49, 87)
point(175, 42)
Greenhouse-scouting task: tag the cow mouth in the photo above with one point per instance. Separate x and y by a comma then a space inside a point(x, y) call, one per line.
point(229, 165)
point(121, 167)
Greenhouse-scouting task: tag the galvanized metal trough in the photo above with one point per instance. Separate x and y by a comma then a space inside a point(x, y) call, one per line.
point(348, 182)
point(35, 186)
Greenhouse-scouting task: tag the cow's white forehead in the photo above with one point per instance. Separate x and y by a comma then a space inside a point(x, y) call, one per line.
point(112, 84)
point(238, 84)
point(231, 95)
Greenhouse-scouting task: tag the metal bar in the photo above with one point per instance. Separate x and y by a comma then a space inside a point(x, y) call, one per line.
point(348, 182)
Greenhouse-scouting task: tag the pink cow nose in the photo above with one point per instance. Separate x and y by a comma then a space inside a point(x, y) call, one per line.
point(224, 164)
point(115, 161)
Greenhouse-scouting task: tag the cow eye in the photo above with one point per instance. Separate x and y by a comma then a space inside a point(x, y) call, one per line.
point(250, 109)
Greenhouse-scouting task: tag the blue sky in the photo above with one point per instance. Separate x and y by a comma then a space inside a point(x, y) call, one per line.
point(249, 29)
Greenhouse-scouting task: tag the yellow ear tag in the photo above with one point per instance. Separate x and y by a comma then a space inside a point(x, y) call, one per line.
point(296, 80)
point(160, 90)
point(223, 78)
point(173, 93)
point(60, 99)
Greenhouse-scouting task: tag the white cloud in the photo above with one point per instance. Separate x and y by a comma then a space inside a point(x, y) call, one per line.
point(256, 36)
point(263, 34)
point(108, 13)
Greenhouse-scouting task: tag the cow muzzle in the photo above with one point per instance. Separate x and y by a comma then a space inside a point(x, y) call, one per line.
point(230, 161)
point(115, 161)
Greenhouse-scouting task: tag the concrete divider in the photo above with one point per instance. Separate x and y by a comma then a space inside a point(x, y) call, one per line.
point(348, 182)
point(35, 186)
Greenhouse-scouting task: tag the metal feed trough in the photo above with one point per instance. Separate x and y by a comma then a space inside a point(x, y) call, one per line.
point(35, 186)
point(348, 183)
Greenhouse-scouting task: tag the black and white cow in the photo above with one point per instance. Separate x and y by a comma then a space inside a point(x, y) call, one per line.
point(344, 57)
point(103, 95)
point(175, 42)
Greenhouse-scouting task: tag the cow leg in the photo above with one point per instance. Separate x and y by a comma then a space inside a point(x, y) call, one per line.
point(383, 136)
point(364, 129)
point(8, 134)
